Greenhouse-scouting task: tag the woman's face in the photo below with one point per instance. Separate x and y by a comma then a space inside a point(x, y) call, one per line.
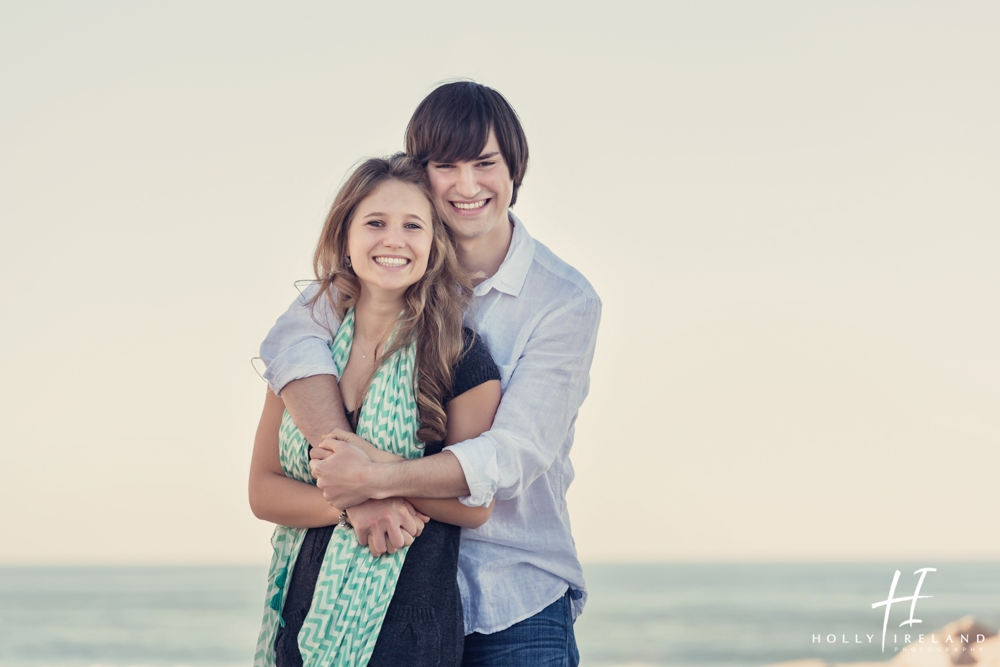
point(389, 238)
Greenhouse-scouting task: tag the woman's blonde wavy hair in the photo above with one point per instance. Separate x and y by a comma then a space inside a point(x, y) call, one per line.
point(434, 305)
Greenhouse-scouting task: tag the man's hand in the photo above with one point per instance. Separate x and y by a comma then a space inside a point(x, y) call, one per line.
point(386, 525)
point(341, 471)
point(347, 476)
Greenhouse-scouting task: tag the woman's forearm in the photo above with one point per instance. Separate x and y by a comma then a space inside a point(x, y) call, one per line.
point(289, 502)
point(273, 496)
point(449, 510)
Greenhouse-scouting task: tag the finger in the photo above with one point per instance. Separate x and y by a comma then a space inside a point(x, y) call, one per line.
point(319, 453)
point(329, 492)
point(409, 524)
point(341, 434)
point(408, 539)
point(376, 541)
point(415, 522)
point(361, 532)
point(395, 538)
point(422, 521)
point(417, 514)
point(328, 444)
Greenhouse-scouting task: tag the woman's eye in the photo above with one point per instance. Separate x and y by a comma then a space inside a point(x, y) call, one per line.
point(413, 225)
point(376, 223)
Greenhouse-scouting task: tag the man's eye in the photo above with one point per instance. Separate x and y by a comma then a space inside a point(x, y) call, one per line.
point(444, 166)
point(487, 164)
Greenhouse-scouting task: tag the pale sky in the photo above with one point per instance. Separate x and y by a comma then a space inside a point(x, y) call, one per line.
point(789, 210)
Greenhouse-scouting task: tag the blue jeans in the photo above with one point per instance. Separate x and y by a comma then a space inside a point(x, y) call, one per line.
point(543, 640)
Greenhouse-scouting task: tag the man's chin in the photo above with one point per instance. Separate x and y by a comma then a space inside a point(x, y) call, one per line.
point(463, 227)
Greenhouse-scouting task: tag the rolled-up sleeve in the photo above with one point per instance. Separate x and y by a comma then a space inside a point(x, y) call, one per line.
point(539, 406)
point(298, 344)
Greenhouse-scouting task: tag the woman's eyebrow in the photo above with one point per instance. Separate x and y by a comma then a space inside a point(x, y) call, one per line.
point(382, 215)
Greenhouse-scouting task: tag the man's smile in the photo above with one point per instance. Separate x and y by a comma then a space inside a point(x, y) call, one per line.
point(470, 206)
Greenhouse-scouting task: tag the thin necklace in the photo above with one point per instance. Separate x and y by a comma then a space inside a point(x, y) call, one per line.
point(374, 353)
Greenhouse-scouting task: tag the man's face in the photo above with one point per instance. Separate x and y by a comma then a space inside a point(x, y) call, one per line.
point(473, 196)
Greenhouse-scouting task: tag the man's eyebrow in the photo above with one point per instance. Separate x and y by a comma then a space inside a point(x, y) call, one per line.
point(484, 156)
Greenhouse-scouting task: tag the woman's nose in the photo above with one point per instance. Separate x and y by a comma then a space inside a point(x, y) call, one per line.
point(393, 238)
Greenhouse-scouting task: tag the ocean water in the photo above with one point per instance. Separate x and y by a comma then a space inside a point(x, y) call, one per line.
point(681, 615)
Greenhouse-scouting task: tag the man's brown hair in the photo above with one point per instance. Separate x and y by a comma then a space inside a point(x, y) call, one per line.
point(453, 124)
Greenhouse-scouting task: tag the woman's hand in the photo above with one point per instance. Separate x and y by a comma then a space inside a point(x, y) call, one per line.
point(386, 525)
point(331, 440)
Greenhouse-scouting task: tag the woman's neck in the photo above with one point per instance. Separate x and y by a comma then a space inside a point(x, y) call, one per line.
point(374, 316)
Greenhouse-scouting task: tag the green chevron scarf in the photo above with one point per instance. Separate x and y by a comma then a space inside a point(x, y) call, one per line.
point(354, 588)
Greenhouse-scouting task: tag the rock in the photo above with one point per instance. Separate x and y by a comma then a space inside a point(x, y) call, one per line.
point(990, 655)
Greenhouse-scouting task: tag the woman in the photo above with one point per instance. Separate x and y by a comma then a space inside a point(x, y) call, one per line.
point(409, 374)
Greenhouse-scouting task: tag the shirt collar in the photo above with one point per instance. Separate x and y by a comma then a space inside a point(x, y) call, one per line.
point(510, 277)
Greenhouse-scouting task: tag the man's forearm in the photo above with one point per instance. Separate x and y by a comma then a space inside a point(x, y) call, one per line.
point(316, 406)
point(438, 476)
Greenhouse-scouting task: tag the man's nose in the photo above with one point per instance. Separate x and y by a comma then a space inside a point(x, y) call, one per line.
point(465, 184)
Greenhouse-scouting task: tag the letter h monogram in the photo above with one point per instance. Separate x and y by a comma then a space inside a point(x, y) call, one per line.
point(913, 604)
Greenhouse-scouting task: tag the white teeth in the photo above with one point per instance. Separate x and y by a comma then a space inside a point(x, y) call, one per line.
point(470, 207)
point(391, 261)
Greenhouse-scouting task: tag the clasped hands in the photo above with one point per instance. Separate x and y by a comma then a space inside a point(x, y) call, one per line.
point(342, 465)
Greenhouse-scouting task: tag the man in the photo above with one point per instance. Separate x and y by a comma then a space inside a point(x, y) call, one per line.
point(521, 582)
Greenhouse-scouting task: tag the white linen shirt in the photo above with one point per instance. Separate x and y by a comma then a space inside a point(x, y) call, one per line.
point(539, 317)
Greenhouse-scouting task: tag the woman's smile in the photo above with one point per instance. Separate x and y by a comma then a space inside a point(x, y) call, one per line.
point(390, 262)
